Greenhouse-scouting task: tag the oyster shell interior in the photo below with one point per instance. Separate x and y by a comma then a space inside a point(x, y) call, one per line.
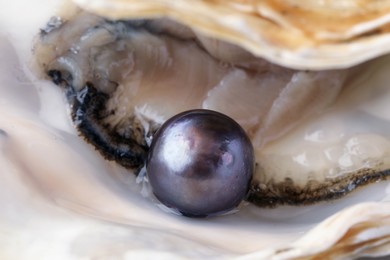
point(60, 199)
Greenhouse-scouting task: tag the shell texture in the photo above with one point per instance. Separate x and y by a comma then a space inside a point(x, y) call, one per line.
point(310, 34)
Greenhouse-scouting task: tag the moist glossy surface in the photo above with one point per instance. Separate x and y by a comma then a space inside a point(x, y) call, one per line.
point(201, 163)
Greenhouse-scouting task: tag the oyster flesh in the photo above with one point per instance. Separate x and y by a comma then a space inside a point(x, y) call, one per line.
point(124, 78)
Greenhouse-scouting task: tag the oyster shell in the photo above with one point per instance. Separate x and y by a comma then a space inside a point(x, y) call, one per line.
point(308, 34)
point(48, 172)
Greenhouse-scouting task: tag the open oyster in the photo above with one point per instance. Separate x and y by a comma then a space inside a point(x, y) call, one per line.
point(124, 78)
point(318, 134)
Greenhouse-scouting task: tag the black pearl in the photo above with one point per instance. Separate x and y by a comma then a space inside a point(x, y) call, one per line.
point(201, 163)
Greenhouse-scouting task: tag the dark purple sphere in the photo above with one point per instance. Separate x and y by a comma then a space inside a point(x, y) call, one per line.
point(201, 163)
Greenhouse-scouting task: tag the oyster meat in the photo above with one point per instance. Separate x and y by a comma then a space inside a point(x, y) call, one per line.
point(127, 66)
point(124, 78)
